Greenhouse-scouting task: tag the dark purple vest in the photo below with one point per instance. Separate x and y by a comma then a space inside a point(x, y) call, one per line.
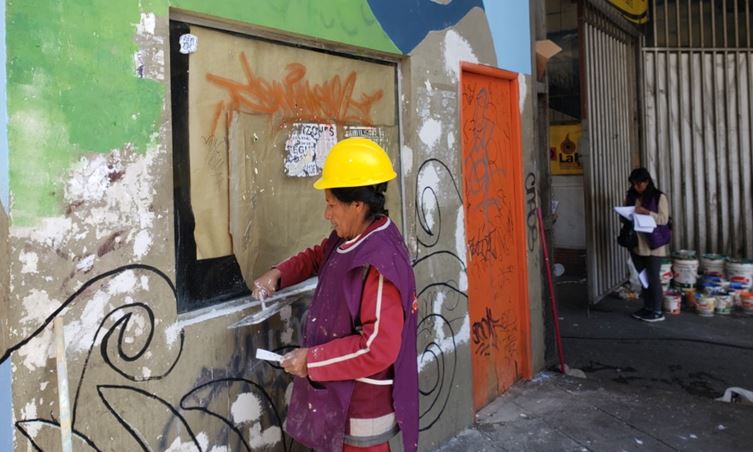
point(318, 411)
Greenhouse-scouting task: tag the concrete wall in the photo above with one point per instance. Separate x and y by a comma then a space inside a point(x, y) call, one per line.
point(91, 234)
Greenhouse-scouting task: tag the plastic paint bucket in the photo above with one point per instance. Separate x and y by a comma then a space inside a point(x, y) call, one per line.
point(705, 306)
point(740, 271)
point(713, 264)
point(747, 302)
point(672, 302)
point(685, 268)
point(724, 303)
point(665, 273)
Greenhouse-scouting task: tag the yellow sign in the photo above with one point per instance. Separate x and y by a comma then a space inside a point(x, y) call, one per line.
point(564, 157)
point(633, 10)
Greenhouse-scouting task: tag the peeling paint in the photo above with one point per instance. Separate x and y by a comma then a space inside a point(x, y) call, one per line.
point(179, 446)
point(460, 247)
point(430, 132)
point(29, 411)
point(406, 160)
point(28, 262)
point(257, 438)
point(522, 91)
point(37, 306)
point(85, 265)
point(246, 408)
point(429, 179)
point(142, 244)
point(37, 351)
point(456, 49)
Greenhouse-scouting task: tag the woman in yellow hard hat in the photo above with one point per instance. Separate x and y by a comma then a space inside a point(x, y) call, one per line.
point(356, 378)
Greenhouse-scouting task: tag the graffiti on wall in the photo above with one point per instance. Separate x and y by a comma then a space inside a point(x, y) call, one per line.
point(294, 98)
point(113, 342)
point(442, 303)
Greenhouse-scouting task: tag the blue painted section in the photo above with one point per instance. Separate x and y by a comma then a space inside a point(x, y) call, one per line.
point(510, 23)
point(6, 406)
point(4, 169)
point(407, 22)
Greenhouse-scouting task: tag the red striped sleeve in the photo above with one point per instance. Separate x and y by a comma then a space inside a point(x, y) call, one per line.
point(372, 350)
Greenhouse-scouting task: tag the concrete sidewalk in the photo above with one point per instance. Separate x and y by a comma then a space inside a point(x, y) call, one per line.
point(560, 413)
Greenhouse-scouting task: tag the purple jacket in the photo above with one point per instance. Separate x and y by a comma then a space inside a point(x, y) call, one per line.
point(662, 234)
point(318, 411)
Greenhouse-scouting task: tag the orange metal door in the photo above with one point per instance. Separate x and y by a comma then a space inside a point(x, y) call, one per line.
point(495, 231)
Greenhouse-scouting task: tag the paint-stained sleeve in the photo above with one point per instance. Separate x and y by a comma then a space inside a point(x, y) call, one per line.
point(301, 266)
point(374, 348)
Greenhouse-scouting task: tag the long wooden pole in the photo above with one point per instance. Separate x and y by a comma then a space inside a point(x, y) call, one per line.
point(64, 402)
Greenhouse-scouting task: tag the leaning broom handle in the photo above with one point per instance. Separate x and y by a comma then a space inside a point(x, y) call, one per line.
point(552, 296)
point(63, 400)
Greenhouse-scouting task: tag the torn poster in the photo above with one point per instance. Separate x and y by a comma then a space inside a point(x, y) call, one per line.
point(372, 133)
point(307, 148)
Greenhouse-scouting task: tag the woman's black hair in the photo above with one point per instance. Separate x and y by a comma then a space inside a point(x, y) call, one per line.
point(642, 175)
point(371, 195)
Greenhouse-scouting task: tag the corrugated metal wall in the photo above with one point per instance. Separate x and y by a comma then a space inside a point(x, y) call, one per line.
point(611, 85)
point(698, 85)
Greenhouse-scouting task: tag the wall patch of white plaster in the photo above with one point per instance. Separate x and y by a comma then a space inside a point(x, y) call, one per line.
point(307, 147)
point(219, 449)
point(36, 352)
point(28, 262)
point(246, 408)
point(451, 140)
point(147, 24)
point(146, 373)
point(460, 246)
point(172, 332)
point(427, 84)
point(85, 265)
point(141, 244)
point(179, 446)
point(258, 439)
point(79, 333)
point(429, 178)
point(123, 283)
point(43, 385)
point(28, 412)
point(445, 344)
point(37, 306)
point(406, 160)
point(188, 43)
point(430, 132)
point(522, 91)
point(456, 49)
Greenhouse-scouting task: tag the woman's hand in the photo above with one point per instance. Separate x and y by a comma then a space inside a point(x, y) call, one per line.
point(266, 285)
point(642, 210)
point(294, 362)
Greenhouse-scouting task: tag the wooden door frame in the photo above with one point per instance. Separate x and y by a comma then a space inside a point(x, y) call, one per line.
point(517, 165)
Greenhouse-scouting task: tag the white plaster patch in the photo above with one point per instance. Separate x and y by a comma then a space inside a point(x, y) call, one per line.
point(142, 244)
point(451, 140)
point(257, 438)
point(123, 283)
point(86, 264)
point(179, 446)
point(172, 332)
point(430, 132)
point(51, 232)
point(522, 91)
point(203, 441)
point(246, 408)
point(147, 24)
point(144, 282)
point(427, 84)
point(456, 49)
point(37, 306)
point(36, 352)
point(28, 412)
point(28, 262)
point(219, 449)
point(445, 344)
point(406, 160)
point(43, 385)
point(79, 333)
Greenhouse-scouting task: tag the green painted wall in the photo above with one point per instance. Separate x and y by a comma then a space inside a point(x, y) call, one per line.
point(73, 87)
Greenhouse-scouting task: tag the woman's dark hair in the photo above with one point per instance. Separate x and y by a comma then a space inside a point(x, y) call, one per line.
point(642, 175)
point(371, 195)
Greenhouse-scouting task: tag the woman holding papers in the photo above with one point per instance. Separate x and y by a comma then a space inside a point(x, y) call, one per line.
point(651, 206)
point(356, 373)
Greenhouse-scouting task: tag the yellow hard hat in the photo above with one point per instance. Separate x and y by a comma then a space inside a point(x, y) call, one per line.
point(355, 162)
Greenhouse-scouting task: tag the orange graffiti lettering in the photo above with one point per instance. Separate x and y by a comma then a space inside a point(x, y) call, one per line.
point(294, 98)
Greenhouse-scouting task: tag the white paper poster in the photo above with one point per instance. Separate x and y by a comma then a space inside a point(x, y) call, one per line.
point(307, 148)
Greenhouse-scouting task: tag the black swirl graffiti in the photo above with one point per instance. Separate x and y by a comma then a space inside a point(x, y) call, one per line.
point(113, 327)
point(531, 220)
point(427, 195)
point(439, 390)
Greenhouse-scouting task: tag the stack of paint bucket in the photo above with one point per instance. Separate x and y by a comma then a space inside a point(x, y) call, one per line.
point(685, 278)
point(740, 275)
point(672, 297)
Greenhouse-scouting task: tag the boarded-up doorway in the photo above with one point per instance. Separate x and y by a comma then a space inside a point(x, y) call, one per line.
point(495, 231)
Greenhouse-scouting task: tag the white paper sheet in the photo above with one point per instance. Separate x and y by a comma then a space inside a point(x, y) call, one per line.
point(643, 276)
point(626, 211)
point(266, 355)
point(643, 223)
